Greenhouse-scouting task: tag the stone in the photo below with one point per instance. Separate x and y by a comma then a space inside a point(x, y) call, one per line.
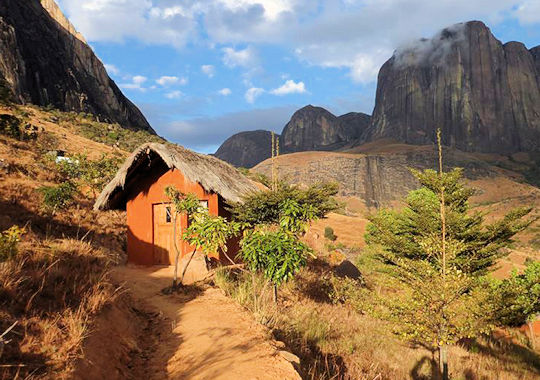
point(484, 95)
point(348, 270)
point(246, 149)
point(44, 61)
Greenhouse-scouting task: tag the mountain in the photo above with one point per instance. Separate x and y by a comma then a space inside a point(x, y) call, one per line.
point(246, 149)
point(483, 94)
point(315, 128)
point(310, 128)
point(44, 61)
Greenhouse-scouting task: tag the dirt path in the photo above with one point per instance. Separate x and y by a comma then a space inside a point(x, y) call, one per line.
point(210, 336)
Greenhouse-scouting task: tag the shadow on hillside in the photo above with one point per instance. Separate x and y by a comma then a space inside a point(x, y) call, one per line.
point(505, 351)
point(432, 367)
point(50, 227)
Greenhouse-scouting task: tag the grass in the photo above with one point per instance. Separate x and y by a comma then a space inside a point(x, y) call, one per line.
point(344, 338)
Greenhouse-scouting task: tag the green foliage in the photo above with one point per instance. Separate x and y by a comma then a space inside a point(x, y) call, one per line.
point(268, 207)
point(210, 233)
point(278, 254)
point(329, 233)
point(183, 203)
point(89, 174)
point(9, 241)
point(58, 197)
point(405, 234)
point(517, 299)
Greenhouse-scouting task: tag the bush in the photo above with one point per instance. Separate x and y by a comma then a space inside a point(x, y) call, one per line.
point(10, 126)
point(9, 241)
point(58, 197)
point(329, 233)
point(518, 297)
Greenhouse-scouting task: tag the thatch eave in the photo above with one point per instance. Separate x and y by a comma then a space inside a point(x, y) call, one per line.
point(210, 172)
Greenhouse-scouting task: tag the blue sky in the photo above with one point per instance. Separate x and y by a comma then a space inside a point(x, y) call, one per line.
point(203, 70)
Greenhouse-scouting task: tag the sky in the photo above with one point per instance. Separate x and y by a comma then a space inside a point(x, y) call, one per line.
point(203, 70)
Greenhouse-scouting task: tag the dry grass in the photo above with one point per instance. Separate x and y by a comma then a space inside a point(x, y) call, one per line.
point(58, 282)
point(346, 341)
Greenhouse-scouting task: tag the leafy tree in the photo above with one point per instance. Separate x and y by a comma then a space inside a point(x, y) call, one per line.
point(264, 207)
point(440, 251)
point(183, 204)
point(279, 255)
point(209, 234)
point(277, 219)
point(9, 241)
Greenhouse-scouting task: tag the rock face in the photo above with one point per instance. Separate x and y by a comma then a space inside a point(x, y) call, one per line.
point(246, 149)
point(44, 61)
point(379, 179)
point(485, 96)
point(310, 128)
point(314, 128)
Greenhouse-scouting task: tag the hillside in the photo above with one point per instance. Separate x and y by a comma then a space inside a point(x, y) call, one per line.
point(46, 62)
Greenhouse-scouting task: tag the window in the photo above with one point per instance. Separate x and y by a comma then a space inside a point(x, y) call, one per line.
point(203, 205)
point(168, 215)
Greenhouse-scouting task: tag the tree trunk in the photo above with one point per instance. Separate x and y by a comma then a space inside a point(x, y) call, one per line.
point(443, 361)
point(187, 264)
point(275, 293)
point(177, 257)
point(531, 332)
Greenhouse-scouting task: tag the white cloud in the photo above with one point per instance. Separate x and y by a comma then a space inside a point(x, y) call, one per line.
point(208, 70)
point(225, 91)
point(166, 81)
point(290, 87)
point(174, 94)
point(348, 34)
point(136, 83)
point(244, 58)
point(528, 12)
point(252, 94)
point(111, 69)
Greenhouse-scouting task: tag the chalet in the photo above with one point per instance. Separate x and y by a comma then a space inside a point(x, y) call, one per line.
point(139, 188)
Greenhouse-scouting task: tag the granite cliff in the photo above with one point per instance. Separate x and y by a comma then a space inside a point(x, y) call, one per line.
point(44, 61)
point(483, 94)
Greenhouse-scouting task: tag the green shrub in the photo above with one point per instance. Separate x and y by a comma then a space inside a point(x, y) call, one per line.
point(58, 197)
point(9, 241)
point(329, 233)
point(518, 297)
point(10, 126)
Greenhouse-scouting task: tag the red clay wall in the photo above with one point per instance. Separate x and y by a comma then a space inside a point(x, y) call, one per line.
point(151, 190)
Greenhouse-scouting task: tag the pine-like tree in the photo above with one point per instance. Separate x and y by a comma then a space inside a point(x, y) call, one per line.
point(440, 250)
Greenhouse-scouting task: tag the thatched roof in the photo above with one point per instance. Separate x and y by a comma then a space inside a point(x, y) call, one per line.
point(210, 172)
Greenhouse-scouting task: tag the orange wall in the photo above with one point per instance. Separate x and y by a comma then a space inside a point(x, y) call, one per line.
point(151, 190)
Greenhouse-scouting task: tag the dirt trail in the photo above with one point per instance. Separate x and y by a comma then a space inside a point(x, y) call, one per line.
point(210, 337)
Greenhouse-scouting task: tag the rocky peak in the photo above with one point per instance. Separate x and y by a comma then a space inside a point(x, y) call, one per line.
point(44, 61)
point(246, 149)
point(313, 128)
point(56, 13)
point(466, 82)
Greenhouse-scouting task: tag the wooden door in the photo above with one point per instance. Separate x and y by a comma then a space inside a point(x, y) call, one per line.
point(164, 251)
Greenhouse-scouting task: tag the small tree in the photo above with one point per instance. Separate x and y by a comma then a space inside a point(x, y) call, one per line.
point(183, 204)
point(440, 251)
point(209, 234)
point(277, 220)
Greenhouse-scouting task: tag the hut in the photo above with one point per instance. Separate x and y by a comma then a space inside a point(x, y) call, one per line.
point(139, 188)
